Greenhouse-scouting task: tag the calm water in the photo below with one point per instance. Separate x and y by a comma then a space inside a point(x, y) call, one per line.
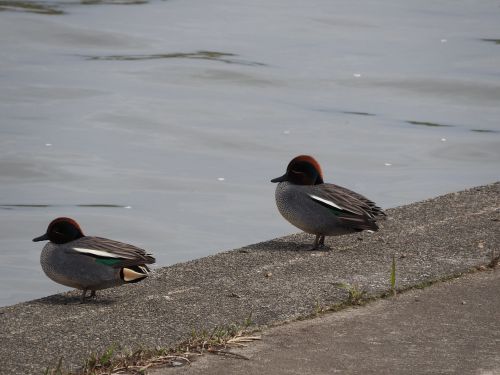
point(161, 123)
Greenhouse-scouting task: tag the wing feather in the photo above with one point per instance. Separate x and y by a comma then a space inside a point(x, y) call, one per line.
point(351, 208)
point(104, 248)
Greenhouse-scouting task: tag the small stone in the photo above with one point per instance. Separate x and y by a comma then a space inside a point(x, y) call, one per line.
point(269, 274)
point(234, 295)
point(402, 256)
point(464, 303)
point(480, 245)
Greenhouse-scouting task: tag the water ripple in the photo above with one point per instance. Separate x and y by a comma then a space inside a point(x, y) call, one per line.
point(229, 58)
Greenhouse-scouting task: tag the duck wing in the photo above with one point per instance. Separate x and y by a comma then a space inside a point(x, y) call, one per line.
point(352, 209)
point(112, 253)
point(368, 205)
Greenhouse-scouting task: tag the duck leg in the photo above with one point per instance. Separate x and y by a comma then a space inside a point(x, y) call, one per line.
point(84, 295)
point(322, 240)
point(316, 242)
point(319, 242)
point(82, 298)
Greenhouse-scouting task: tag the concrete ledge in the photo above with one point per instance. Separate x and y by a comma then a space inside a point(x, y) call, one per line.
point(275, 281)
point(448, 328)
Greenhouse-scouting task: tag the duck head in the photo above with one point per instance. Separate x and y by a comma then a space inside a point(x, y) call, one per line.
point(302, 170)
point(61, 230)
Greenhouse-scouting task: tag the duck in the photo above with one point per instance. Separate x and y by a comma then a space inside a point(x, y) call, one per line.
point(89, 263)
point(319, 208)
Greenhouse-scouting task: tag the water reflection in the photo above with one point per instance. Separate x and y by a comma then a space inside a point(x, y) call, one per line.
point(358, 113)
point(53, 8)
point(485, 131)
point(29, 6)
point(427, 123)
point(229, 58)
point(117, 2)
point(496, 41)
point(90, 205)
point(355, 113)
point(435, 124)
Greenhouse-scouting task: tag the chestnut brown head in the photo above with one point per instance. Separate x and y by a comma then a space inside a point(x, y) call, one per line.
point(61, 230)
point(302, 170)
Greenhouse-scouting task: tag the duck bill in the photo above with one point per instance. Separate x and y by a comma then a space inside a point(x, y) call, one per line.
point(280, 179)
point(43, 237)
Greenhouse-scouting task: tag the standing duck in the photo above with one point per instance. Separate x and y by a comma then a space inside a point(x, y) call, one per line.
point(319, 208)
point(89, 263)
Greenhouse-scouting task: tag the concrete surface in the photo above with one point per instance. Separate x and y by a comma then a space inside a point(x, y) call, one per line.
point(276, 281)
point(448, 328)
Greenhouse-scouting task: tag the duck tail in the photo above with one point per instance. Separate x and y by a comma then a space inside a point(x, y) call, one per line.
point(134, 274)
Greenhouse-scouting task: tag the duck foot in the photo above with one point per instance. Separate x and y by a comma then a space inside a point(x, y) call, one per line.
point(319, 242)
point(84, 293)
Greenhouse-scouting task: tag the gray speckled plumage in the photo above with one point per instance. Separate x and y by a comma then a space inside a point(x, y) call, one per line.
point(295, 205)
point(66, 266)
point(89, 263)
point(320, 208)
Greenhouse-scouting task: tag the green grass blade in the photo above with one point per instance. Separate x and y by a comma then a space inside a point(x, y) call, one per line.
point(393, 274)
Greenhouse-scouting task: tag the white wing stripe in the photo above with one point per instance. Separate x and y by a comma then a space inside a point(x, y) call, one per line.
point(100, 253)
point(330, 203)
